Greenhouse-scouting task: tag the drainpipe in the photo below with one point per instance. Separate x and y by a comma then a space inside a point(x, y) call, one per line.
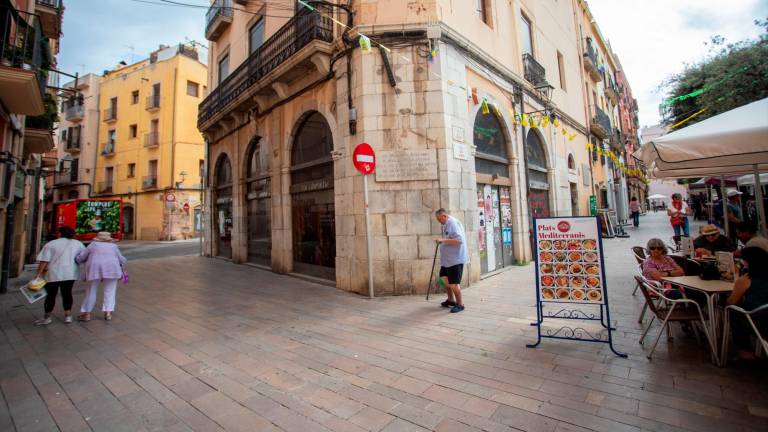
point(525, 168)
point(173, 150)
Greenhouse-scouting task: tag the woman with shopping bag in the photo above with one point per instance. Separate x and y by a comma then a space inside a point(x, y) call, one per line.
point(58, 267)
point(103, 263)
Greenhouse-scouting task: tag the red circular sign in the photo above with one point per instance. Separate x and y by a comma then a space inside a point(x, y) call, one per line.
point(186, 206)
point(564, 226)
point(364, 158)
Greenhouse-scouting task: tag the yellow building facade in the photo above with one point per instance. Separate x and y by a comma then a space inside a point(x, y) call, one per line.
point(150, 152)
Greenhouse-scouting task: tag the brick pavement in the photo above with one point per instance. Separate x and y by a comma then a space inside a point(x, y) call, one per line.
point(205, 345)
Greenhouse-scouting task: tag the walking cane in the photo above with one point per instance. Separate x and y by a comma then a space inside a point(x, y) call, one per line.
point(432, 273)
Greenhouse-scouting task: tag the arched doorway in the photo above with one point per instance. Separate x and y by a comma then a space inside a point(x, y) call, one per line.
point(258, 198)
point(538, 180)
point(223, 207)
point(494, 204)
point(312, 199)
point(128, 227)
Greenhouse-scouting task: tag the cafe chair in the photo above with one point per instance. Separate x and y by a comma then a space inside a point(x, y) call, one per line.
point(640, 257)
point(675, 243)
point(671, 310)
point(762, 343)
point(637, 285)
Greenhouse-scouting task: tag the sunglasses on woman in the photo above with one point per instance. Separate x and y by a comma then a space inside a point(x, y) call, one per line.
point(656, 248)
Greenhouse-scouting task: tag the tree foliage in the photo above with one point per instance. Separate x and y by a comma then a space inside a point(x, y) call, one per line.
point(732, 75)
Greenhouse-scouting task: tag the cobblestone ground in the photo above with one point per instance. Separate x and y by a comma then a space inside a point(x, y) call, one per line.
point(202, 344)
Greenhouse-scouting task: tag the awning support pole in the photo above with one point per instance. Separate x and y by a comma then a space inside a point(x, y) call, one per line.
point(724, 198)
point(761, 222)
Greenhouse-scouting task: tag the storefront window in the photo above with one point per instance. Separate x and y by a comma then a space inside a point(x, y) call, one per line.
point(538, 180)
point(488, 137)
point(223, 205)
point(312, 199)
point(258, 197)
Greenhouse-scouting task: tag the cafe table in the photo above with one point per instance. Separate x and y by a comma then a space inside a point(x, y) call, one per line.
point(712, 289)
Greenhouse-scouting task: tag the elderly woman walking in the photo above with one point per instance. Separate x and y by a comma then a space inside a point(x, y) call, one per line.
point(103, 263)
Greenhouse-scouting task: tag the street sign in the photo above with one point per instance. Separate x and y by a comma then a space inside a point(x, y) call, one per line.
point(364, 158)
point(170, 197)
point(186, 207)
point(592, 205)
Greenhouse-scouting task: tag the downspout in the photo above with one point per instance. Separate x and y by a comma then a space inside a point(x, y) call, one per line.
point(173, 149)
point(585, 96)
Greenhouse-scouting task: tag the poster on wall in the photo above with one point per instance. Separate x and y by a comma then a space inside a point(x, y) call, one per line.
point(570, 276)
point(490, 223)
point(482, 223)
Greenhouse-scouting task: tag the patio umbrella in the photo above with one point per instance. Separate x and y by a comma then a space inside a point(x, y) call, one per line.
point(657, 196)
point(734, 142)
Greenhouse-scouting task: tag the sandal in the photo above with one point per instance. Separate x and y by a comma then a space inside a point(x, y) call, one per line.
point(84, 317)
point(107, 316)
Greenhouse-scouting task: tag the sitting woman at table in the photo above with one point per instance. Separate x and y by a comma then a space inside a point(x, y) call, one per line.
point(658, 264)
point(711, 241)
point(750, 291)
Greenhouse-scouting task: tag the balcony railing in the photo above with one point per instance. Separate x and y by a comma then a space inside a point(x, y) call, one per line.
point(533, 71)
point(108, 149)
point(153, 102)
point(151, 139)
point(297, 33)
point(21, 43)
point(220, 9)
point(50, 3)
point(105, 186)
point(617, 140)
point(110, 114)
point(600, 124)
point(590, 61)
point(66, 177)
point(44, 122)
point(73, 143)
point(149, 182)
point(74, 112)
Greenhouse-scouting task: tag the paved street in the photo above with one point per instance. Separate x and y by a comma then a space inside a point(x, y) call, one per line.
point(202, 344)
point(133, 249)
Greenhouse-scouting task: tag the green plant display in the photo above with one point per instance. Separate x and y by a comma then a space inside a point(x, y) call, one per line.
point(95, 216)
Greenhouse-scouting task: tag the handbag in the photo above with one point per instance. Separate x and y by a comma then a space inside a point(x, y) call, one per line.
point(709, 270)
point(125, 277)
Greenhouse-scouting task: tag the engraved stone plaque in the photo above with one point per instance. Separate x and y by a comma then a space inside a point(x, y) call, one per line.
point(404, 165)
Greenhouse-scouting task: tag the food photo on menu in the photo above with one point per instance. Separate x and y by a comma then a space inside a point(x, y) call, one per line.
point(569, 270)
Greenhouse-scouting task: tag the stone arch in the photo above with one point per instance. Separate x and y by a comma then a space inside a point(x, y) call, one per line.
point(223, 183)
point(257, 199)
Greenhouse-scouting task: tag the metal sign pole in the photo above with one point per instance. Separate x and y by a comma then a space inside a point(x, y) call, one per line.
point(368, 237)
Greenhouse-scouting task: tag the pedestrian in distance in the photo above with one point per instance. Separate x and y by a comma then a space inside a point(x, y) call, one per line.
point(58, 266)
point(453, 256)
point(634, 207)
point(103, 263)
point(678, 215)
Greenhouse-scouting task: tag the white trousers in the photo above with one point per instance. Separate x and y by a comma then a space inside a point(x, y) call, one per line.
point(89, 301)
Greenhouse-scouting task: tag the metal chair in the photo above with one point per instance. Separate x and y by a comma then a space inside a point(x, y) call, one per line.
point(637, 285)
point(671, 310)
point(762, 342)
point(640, 257)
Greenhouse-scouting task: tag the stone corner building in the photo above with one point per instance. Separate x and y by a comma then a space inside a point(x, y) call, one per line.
point(291, 97)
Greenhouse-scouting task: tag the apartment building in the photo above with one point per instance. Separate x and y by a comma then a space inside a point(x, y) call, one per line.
point(78, 139)
point(149, 152)
point(477, 107)
point(29, 43)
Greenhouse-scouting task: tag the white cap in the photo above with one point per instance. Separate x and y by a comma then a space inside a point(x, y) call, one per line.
point(732, 192)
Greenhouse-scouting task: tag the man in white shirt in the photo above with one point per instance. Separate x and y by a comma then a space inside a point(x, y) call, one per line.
point(57, 259)
point(453, 256)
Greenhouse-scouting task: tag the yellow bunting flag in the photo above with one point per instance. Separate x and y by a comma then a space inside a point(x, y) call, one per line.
point(556, 122)
point(365, 44)
point(545, 121)
point(565, 132)
point(534, 122)
point(524, 122)
point(571, 137)
point(484, 107)
point(496, 110)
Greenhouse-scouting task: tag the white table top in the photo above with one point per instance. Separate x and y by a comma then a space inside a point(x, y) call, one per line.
point(697, 283)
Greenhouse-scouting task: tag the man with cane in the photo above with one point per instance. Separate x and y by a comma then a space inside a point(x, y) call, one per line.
point(453, 256)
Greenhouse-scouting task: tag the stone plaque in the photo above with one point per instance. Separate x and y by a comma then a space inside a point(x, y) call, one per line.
point(460, 151)
point(406, 165)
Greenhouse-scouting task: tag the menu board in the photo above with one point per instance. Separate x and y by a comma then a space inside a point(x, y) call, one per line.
point(569, 261)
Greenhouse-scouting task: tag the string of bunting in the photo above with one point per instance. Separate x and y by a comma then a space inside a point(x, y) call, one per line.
point(637, 172)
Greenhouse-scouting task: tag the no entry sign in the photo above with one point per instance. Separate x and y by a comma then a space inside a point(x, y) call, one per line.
point(364, 158)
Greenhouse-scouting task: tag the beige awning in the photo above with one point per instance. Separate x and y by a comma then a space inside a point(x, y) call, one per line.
point(726, 144)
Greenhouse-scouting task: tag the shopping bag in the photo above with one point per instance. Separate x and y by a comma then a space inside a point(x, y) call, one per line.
point(125, 277)
point(31, 295)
